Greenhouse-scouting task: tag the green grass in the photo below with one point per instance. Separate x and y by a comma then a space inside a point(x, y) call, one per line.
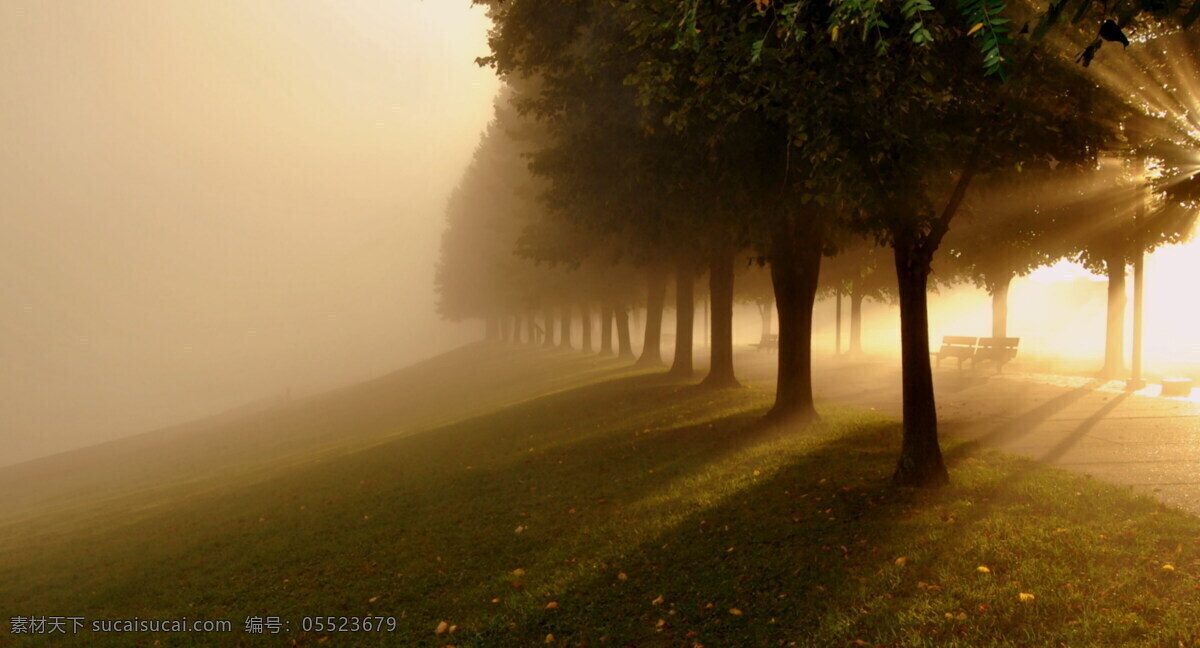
point(650, 513)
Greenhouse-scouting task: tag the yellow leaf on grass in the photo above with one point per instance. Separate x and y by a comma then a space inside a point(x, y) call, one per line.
point(622, 576)
point(518, 572)
point(549, 638)
point(1169, 568)
point(552, 605)
point(372, 599)
point(982, 569)
point(976, 28)
point(735, 612)
point(901, 561)
point(442, 627)
point(657, 601)
point(1026, 597)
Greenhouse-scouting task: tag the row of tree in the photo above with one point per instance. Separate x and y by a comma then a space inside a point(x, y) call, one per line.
point(639, 142)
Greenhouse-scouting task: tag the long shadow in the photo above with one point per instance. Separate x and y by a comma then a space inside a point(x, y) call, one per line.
point(1068, 442)
point(548, 500)
point(1021, 425)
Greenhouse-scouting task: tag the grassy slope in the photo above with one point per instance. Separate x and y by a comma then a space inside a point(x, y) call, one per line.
point(726, 534)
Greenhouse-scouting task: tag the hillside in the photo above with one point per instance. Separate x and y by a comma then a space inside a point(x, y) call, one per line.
point(541, 498)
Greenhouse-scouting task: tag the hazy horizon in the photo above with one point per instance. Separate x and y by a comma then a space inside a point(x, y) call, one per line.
point(206, 205)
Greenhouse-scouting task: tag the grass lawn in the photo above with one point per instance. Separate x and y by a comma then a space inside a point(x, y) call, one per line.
point(624, 510)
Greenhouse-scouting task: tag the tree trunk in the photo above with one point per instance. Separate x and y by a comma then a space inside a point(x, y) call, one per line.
point(920, 455)
point(856, 302)
point(837, 324)
point(606, 326)
point(766, 310)
point(548, 319)
point(720, 282)
point(565, 338)
point(1139, 272)
point(624, 348)
point(1114, 330)
point(795, 266)
point(1000, 307)
point(585, 316)
point(656, 294)
point(685, 313)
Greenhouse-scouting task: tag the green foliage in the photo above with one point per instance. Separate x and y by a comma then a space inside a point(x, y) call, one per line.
point(990, 30)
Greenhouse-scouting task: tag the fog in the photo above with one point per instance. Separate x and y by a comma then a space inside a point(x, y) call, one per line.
point(211, 205)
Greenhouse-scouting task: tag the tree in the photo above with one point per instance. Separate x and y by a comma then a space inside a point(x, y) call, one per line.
point(1007, 231)
point(905, 133)
point(860, 270)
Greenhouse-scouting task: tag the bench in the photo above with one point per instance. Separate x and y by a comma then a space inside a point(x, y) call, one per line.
point(769, 341)
point(997, 350)
point(955, 346)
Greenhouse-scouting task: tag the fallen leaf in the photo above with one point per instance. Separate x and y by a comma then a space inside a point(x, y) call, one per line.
point(552, 605)
point(657, 601)
point(1169, 568)
point(442, 627)
point(518, 572)
point(622, 576)
point(983, 569)
point(901, 561)
point(372, 599)
point(549, 638)
point(1026, 598)
point(735, 612)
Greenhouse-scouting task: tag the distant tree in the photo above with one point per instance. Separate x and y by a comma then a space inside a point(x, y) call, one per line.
point(1007, 231)
point(860, 270)
point(754, 286)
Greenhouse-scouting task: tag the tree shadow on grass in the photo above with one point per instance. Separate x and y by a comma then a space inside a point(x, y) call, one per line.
point(486, 522)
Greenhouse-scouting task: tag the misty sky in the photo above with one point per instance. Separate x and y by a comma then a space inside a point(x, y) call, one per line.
point(203, 204)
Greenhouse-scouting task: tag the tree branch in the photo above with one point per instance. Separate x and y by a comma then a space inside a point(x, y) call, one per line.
point(942, 225)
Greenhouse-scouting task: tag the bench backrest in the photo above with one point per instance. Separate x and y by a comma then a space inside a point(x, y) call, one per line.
point(999, 343)
point(957, 340)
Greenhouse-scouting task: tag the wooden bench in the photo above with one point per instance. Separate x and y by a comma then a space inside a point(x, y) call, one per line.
point(997, 350)
point(769, 341)
point(955, 346)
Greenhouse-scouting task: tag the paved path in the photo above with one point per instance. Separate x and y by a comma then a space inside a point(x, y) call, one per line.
point(1140, 439)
